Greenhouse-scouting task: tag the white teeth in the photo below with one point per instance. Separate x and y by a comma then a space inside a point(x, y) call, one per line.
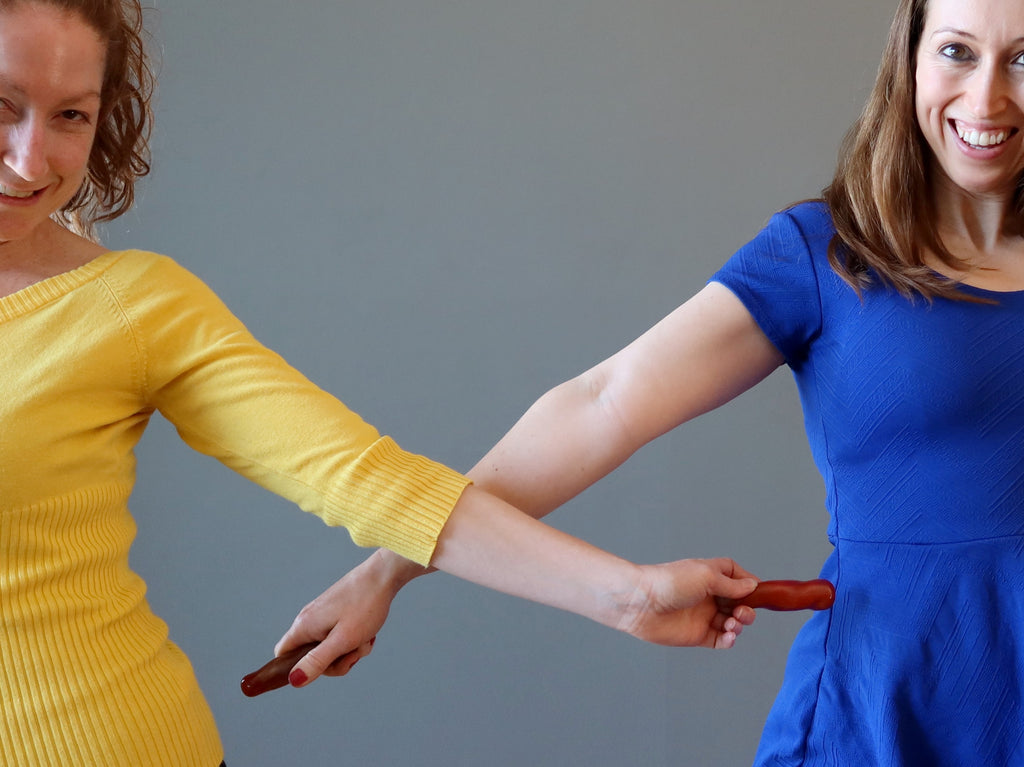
point(7, 192)
point(981, 138)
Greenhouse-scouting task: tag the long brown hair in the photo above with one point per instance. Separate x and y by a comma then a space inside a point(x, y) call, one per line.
point(120, 152)
point(879, 198)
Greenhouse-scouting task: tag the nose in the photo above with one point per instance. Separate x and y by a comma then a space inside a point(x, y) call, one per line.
point(25, 151)
point(986, 92)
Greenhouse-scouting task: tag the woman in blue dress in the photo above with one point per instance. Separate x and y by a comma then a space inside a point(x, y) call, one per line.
point(897, 300)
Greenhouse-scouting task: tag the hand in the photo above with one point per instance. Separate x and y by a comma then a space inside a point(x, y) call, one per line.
point(679, 603)
point(346, 617)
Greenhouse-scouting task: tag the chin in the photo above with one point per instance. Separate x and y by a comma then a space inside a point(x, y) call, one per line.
point(975, 186)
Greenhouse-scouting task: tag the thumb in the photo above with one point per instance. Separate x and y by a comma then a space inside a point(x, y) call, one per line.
point(313, 663)
point(333, 656)
point(728, 587)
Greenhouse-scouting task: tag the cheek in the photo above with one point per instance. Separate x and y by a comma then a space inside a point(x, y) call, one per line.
point(930, 104)
point(72, 156)
point(920, 99)
point(923, 95)
point(922, 115)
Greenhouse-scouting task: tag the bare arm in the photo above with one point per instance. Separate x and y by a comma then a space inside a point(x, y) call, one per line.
point(706, 352)
point(702, 355)
point(492, 544)
point(690, 603)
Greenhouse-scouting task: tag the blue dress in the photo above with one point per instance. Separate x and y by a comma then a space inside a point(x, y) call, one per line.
point(915, 416)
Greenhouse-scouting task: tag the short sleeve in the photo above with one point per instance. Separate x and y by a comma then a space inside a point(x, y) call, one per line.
point(775, 276)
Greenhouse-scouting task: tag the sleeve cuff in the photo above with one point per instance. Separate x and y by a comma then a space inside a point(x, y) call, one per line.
point(396, 500)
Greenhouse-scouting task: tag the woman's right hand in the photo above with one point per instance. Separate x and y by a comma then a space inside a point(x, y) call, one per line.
point(346, 617)
point(690, 603)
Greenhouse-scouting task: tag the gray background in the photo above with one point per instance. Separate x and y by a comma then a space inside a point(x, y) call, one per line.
point(438, 209)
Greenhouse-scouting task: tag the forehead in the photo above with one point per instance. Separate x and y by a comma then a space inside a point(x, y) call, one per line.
point(46, 48)
point(984, 19)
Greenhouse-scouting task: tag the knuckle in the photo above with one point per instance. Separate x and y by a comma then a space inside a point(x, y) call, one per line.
point(315, 663)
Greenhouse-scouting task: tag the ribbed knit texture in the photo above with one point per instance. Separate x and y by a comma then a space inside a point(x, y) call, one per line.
point(87, 674)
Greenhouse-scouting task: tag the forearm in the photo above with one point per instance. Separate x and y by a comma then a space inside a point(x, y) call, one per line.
point(564, 443)
point(547, 458)
point(490, 543)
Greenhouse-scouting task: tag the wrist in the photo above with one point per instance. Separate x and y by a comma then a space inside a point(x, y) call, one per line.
point(629, 603)
point(394, 569)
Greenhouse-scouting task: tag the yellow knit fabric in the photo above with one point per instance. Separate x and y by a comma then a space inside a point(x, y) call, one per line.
point(87, 674)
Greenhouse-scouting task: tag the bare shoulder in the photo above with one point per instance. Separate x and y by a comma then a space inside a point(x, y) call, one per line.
point(70, 250)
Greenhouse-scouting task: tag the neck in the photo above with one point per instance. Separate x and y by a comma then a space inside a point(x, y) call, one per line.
point(987, 222)
point(49, 250)
point(985, 235)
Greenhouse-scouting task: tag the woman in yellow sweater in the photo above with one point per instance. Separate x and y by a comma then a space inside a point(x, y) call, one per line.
point(95, 341)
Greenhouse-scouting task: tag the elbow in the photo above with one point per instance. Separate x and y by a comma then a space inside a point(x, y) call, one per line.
point(599, 396)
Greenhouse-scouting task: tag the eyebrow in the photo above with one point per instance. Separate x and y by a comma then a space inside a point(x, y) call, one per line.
point(954, 30)
point(965, 33)
point(89, 94)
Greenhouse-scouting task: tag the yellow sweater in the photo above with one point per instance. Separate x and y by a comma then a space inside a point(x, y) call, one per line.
point(87, 674)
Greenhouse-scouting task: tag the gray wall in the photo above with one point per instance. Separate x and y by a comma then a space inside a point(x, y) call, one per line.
point(437, 209)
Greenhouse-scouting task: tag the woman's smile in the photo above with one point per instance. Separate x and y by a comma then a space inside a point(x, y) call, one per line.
point(981, 138)
point(51, 74)
point(970, 93)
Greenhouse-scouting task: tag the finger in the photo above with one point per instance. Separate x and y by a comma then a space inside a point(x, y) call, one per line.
point(744, 614)
point(726, 630)
point(289, 641)
point(346, 662)
point(312, 664)
point(733, 626)
point(730, 567)
point(728, 587)
point(299, 633)
point(738, 571)
point(729, 633)
point(335, 649)
point(725, 640)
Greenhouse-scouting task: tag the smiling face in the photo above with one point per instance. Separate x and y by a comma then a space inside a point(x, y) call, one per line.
point(51, 74)
point(970, 93)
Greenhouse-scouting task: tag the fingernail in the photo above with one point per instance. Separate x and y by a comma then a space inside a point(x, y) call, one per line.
point(297, 678)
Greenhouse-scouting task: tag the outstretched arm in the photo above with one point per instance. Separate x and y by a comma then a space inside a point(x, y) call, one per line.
point(705, 353)
point(490, 543)
point(700, 356)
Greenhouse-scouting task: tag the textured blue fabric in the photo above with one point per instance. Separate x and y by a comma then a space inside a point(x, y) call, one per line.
point(915, 416)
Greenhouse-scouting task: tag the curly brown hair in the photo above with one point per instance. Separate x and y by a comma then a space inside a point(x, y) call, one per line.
point(120, 152)
point(879, 198)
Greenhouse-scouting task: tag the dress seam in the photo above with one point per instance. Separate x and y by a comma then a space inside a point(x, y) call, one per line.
point(831, 492)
